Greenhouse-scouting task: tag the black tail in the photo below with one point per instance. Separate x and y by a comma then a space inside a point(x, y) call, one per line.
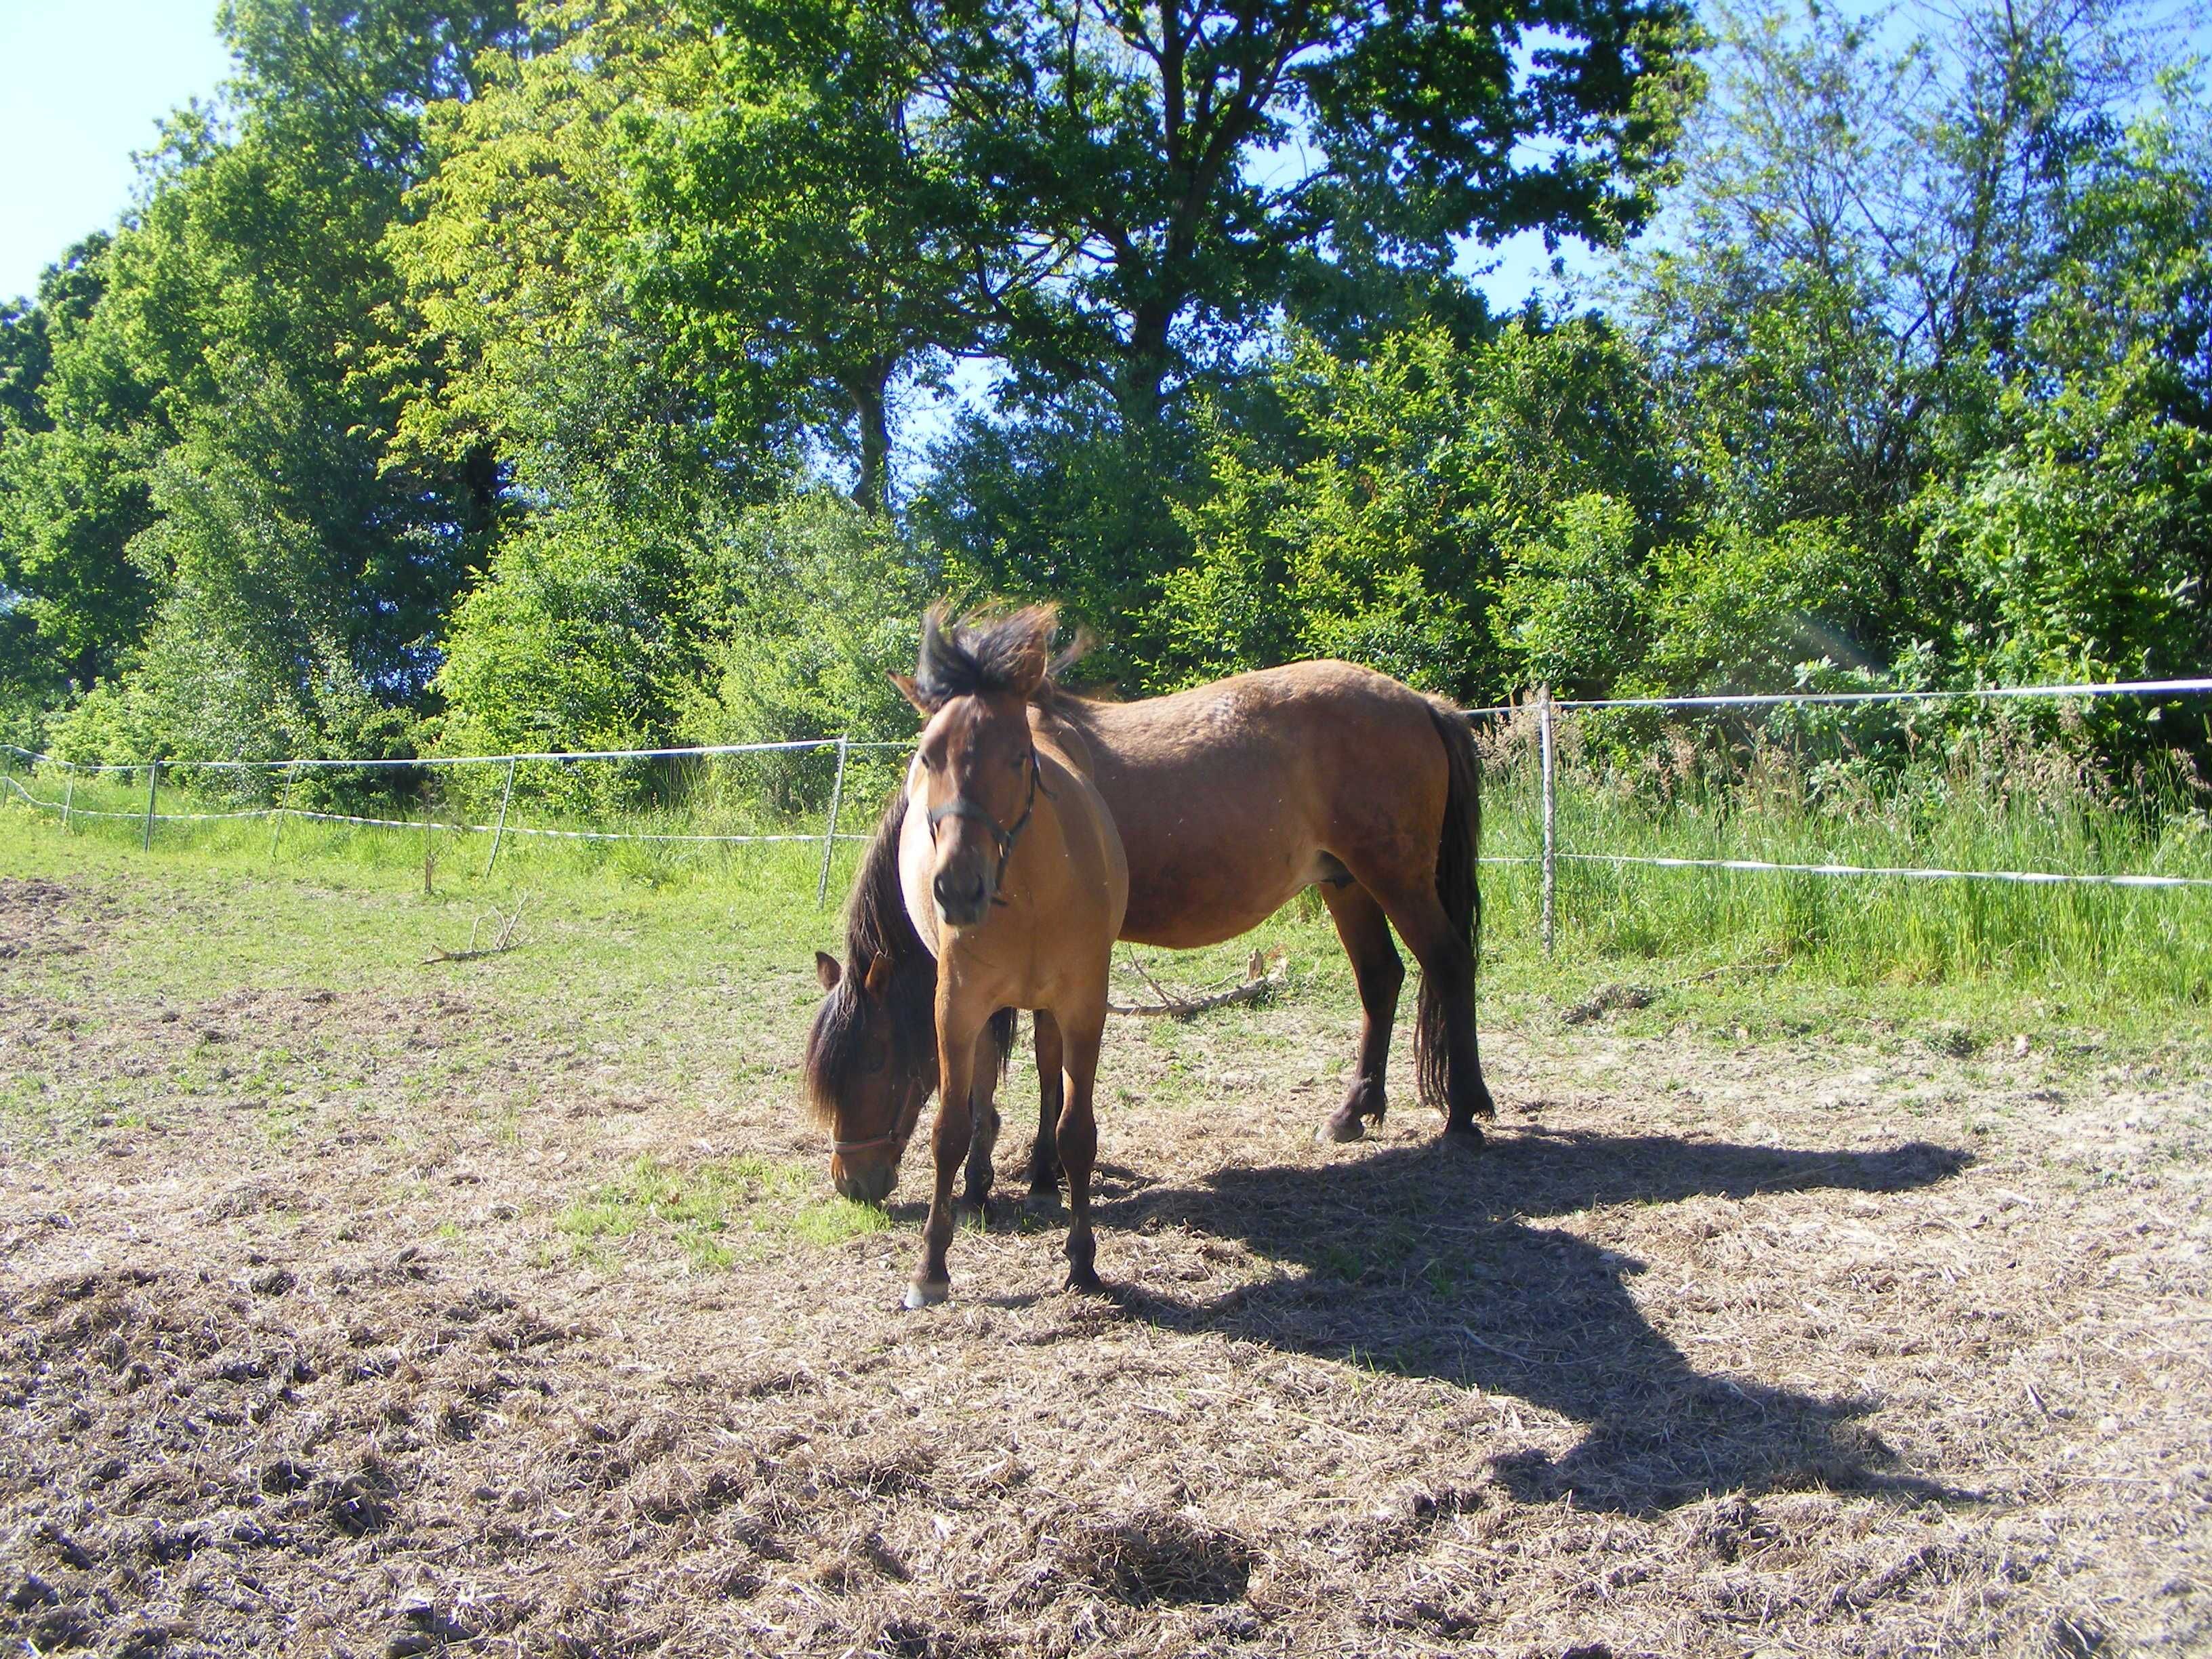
point(1459, 890)
point(1002, 1034)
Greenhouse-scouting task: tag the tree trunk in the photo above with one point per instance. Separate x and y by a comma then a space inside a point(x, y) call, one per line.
point(1144, 367)
point(872, 489)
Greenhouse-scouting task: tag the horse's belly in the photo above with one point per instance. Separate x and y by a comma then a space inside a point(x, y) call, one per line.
point(1179, 903)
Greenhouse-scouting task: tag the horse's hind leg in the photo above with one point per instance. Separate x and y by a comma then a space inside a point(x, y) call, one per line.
point(1377, 969)
point(1044, 1155)
point(983, 1110)
point(1447, 998)
point(1078, 1153)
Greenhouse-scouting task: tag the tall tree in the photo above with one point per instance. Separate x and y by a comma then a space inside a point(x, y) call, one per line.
point(218, 405)
point(1867, 221)
point(1153, 179)
point(801, 239)
point(75, 424)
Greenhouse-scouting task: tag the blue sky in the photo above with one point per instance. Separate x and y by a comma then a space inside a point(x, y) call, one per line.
point(83, 83)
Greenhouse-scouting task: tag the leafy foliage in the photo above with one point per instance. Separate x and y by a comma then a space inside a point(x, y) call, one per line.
point(552, 375)
point(1405, 496)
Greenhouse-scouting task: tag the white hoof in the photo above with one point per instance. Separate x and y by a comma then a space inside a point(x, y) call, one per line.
point(921, 1295)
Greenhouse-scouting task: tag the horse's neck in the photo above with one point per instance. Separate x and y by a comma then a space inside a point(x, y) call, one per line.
point(1061, 738)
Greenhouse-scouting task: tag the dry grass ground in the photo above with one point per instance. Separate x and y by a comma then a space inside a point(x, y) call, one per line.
point(348, 1306)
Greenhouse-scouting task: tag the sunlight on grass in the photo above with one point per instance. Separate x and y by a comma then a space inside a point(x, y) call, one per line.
point(713, 1208)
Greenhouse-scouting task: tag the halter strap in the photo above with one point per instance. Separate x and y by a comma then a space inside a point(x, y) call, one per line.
point(841, 1147)
point(961, 807)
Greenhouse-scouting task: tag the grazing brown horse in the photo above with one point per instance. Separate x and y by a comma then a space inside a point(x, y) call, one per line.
point(1230, 799)
point(1013, 879)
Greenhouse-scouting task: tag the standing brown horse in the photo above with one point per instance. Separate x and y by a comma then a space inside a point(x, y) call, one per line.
point(1230, 799)
point(1033, 931)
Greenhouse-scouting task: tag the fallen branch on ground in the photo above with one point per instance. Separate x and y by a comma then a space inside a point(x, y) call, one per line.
point(1603, 1002)
point(1260, 983)
point(502, 941)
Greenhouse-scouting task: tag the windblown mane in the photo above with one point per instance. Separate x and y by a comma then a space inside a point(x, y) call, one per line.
point(993, 650)
point(877, 925)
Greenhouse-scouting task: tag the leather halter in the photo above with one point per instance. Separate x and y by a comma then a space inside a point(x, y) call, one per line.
point(893, 1139)
point(961, 807)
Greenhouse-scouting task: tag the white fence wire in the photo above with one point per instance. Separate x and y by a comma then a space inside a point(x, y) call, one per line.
point(1546, 706)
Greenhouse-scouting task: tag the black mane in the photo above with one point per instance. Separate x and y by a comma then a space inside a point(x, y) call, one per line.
point(983, 653)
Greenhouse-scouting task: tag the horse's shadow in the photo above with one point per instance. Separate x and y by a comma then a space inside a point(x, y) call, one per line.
point(1431, 1262)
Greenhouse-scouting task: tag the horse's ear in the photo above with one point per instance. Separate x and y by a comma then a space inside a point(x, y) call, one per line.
point(879, 974)
point(827, 970)
point(911, 693)
point(1028, 671)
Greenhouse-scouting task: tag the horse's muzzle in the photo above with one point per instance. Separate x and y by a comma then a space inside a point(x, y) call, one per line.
point(963, 898)
point(864, 1182)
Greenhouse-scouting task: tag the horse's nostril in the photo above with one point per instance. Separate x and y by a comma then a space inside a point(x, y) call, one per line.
point(951, 893)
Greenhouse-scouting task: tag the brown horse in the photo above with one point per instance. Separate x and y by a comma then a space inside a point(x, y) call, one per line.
point(1230, 799)
point(1013, 878)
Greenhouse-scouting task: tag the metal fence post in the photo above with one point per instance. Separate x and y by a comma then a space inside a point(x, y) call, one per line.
point(284, 805)
point(69, 794)
point(830, 829)
point(1551, 840)
point(153, 788)
point(499, 830)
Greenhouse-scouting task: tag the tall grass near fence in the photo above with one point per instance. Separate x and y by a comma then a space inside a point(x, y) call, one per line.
point(1985, 799)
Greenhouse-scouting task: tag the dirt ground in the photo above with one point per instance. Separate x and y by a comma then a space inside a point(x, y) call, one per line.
point(1837, 1344)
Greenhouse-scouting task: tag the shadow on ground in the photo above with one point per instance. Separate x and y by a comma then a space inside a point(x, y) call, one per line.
point(1430, 1262)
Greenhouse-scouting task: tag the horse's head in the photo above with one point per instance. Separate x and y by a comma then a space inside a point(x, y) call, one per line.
point(871, 1065)
point(977, 779)
point(872, 1056)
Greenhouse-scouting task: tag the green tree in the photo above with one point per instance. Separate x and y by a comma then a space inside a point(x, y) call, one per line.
point(215, 410)
point(799, 238)
point(1414, 490)
point(1864, 228)
point(2080, 546)
point(74, 449)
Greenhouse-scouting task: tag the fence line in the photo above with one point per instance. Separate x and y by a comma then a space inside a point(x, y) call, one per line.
point(698, 750)
point(2038, 877)
point(1542, 701)
point(828, 839)
point(416, 824)
point(1980, 693)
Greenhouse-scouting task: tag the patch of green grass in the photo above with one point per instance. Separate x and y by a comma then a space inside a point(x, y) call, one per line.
point(710, 1207)
point(722, 938)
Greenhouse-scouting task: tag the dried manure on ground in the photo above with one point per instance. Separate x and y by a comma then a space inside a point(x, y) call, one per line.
point(355, 1304)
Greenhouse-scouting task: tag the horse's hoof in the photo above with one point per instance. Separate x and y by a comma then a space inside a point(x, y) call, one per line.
point(1465, 1136)
point(922, 1294)
point(1086, 1280)
point(1339, 1128)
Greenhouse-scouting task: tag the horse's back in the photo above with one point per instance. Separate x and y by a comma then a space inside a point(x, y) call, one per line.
point(1226, 795)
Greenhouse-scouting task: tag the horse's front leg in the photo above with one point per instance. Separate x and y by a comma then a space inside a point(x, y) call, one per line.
point(1044, 1155)
point(1078, 1147)
point(957, 1034)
